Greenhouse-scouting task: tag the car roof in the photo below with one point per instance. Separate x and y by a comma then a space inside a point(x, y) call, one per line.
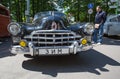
point(112, 16)
point(3, 7)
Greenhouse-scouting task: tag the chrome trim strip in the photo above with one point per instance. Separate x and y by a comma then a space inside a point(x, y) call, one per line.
point(54, 42)
point(35, 37)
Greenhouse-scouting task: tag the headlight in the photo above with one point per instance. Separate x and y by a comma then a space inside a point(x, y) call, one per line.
point(89, 28)
point(14, 28)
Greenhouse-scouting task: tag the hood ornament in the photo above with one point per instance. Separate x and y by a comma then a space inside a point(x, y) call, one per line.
point(54, 26)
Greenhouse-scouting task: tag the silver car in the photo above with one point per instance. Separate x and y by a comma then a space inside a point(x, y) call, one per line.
point(112, 25)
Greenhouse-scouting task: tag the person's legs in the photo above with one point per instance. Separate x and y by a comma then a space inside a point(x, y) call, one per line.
point(95, 36)
point(100, 34)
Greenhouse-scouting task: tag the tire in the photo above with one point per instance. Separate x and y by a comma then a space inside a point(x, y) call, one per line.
point(106, 35)
point(28, 56)
point(74, 54)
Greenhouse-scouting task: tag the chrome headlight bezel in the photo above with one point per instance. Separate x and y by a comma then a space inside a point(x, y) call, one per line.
point(89, 28)
point(14, 28)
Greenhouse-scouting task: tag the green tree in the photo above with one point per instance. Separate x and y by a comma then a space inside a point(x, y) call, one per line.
point(78, 8)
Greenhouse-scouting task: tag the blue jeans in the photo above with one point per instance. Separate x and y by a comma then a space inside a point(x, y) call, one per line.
point(98, 34)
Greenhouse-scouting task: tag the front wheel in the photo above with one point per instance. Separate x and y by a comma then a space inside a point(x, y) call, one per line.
point(106, 35)
point(28, 56)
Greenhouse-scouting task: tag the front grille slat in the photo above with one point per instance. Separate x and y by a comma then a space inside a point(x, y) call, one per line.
point(52, 38)
point(55, 37)
point(53, 42)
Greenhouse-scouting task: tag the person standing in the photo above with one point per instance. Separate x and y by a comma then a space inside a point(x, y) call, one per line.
point(100, 19)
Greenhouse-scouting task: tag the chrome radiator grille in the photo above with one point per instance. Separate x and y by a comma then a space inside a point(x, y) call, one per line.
point(52, 38)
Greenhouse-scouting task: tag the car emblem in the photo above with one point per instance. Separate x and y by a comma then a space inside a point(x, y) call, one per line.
point(54, 26)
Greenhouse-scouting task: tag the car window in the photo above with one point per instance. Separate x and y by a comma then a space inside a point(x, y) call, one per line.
point(114, 19)
point(118, 18)
point(3, 12)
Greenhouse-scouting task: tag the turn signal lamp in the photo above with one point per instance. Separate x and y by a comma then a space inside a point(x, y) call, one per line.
point(84, 41)
point(23, 43)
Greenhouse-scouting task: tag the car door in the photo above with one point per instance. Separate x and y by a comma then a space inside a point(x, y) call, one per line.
point(4, 21)
point(117, 26)
point(114, 26)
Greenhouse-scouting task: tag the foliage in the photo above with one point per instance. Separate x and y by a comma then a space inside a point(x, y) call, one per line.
point(78, 8)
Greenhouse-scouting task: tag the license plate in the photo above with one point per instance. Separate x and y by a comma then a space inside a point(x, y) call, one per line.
point(53, 51)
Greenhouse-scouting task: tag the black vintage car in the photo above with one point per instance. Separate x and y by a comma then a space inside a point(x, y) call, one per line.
point(50, 33)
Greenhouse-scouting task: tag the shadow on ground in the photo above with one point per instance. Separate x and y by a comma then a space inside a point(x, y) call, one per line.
point(111, 40)
point(5, 46)
point(90, 61)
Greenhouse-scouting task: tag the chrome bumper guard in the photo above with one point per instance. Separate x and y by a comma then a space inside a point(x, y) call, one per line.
point(31, 49)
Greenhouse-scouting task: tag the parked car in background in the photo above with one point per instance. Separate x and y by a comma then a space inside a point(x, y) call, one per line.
point(4, 21)
point(112, 25)
point(50, 34)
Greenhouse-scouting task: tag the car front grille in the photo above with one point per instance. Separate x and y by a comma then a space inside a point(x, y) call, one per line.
point(44, 38)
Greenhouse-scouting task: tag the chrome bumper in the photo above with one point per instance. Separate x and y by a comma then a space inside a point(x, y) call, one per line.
point(31, 49)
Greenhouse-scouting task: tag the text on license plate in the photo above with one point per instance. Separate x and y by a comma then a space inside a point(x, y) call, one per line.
point(53, 51)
